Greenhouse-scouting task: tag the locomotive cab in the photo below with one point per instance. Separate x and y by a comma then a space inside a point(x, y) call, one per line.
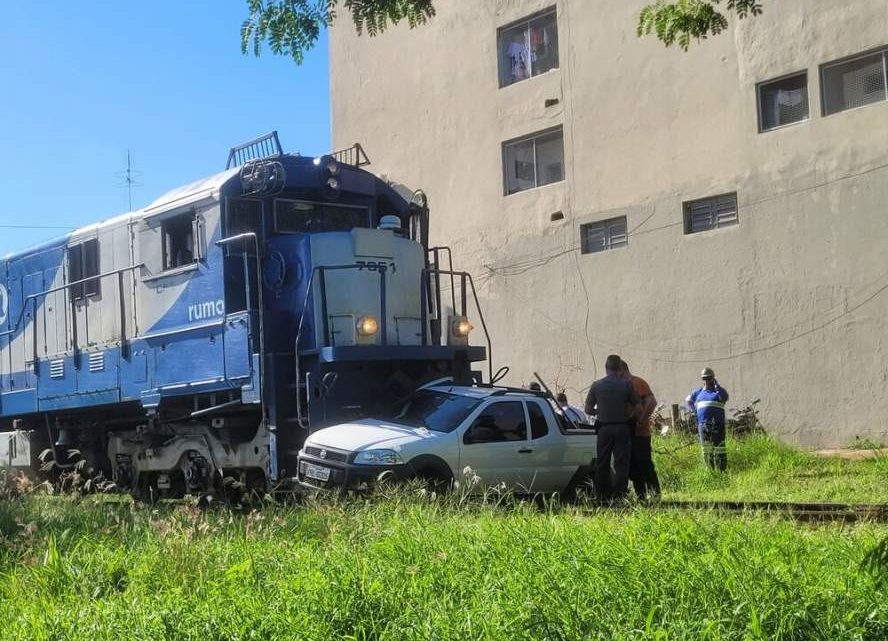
point(352, 297)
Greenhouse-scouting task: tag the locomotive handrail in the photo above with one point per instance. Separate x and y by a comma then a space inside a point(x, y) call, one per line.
point(383, 326)
point(269, 145)
point(242, 238)
point(436, 252)
point(449, 266)
point(354, 155)
point(31, 299)
point(63, 287)
point(463, 276)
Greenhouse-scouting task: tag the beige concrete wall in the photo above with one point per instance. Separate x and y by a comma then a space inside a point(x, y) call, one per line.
point(787, 306)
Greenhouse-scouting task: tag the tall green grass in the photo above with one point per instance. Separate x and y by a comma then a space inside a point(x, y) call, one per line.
point(762, 469)
point(408, 568)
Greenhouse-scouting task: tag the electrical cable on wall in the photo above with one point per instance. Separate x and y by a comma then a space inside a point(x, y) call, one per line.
point(525, 266)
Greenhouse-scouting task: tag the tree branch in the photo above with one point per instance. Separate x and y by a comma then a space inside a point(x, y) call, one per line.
point(685, 20)
point(292, 27)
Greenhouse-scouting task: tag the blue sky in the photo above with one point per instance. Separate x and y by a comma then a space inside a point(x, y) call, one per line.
point(84, 81)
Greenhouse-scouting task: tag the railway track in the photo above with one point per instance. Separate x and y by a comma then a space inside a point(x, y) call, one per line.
point(809, 512)
point(805, 512)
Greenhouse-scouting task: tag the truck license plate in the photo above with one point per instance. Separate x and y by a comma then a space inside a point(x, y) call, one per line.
point(317, 472)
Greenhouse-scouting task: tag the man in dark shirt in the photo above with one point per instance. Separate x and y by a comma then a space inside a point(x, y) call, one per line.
point(613, 401)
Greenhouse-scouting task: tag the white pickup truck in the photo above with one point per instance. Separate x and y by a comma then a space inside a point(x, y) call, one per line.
point(479, 437)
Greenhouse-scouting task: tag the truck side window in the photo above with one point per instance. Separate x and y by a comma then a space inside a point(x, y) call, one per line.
point(178, 241)
point(539, 427)
point(498, 423)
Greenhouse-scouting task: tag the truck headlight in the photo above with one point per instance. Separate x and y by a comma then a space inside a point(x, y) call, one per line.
point(461, 326)
point(378, 457)
point(367, 326)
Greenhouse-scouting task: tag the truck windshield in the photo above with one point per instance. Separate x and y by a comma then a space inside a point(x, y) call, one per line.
point(437, 411)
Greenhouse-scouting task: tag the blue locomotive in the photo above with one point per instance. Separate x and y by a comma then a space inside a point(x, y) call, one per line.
point(204, 336)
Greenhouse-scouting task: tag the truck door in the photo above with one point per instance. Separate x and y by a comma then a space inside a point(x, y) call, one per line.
point(553, 468)
point(494, 445)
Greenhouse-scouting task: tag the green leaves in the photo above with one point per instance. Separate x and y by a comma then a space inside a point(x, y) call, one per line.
point(292, 27)
point(374, 16)
point(684, 20)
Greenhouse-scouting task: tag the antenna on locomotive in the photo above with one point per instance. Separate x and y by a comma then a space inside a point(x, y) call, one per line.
point(128, 178)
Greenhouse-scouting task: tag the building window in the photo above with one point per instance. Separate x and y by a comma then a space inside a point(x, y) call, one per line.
point(533, 161)
point(783, 102)
point(179, 241)
point(83, 263)
point(603, 235)
point(710, 213)
point(528, 48)
point(854, 83)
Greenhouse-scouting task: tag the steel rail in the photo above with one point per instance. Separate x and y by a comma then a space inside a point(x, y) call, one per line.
point(825, 512)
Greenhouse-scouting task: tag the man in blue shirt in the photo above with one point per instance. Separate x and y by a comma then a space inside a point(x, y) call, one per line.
point(708, 402)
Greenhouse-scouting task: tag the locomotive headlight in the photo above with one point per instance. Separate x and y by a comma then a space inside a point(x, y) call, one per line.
point(333, 183)
point(461, 327)
point(332, 168)
point(367, 326)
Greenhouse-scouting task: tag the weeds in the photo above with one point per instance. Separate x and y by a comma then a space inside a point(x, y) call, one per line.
point(411, 567)
point(760, 468)
point(405, 563)
point(865, 444)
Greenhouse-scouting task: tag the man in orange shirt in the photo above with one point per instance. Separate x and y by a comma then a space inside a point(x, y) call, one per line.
point(641, 464)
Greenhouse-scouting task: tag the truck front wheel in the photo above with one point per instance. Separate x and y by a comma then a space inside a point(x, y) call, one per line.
point(433, 473)
point(434, 481)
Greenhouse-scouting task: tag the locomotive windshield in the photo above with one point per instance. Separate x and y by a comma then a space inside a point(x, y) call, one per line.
point(302, 216)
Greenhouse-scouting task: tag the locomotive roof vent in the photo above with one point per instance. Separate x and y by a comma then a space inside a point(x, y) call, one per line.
point(390, 222)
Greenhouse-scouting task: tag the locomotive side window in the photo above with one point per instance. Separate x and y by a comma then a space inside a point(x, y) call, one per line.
point(83, 263)
point(243, 215)
point(302, 217)
point(178, 241)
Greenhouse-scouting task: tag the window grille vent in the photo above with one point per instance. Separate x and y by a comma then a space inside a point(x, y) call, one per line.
point(57, 369)
point(97, 362)
point(710, 213)
point(604, 235)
